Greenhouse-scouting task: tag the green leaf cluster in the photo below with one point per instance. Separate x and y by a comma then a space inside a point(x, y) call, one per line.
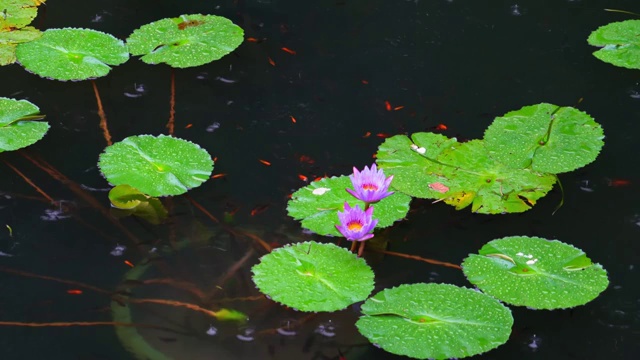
point(14, 17)
point(506, 172)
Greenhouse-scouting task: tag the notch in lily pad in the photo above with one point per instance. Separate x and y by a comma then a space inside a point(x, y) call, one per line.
point(72, 54)
point(535, 272)
point(19, 125)
point(619, 43)
point(318, 203)
point(156, 165)
point(435, 321)
point(546, 138)
point(311, 276)
point(185, 41)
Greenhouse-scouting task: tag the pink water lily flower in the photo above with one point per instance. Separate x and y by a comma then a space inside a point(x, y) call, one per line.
point(356, 224)
point(370, 185)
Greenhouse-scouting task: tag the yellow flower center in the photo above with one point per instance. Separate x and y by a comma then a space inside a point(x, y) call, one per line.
point(371, 187)
point(354, 226)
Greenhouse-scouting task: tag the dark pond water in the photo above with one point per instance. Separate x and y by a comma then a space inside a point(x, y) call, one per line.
point(460, 63)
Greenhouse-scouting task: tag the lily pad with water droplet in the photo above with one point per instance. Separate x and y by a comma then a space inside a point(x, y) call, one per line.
point(72, 54)
point(318, 203)
point(310, 276)
point(185, 41)
point(157, 166)
point(17, 126)
point(435, 321)
point(619, 42)
point(545, 138)
point(460, 174)
point(535, 272)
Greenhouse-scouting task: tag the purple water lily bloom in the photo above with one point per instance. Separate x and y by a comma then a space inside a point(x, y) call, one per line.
point(370, 185)
point(355, 224)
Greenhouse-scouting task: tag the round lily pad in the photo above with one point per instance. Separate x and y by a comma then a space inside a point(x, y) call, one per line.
point(310, 276)
point(545, 137)
point(72, 54)
point(318, 203)
point(435, 321)
point(460, 174)
point(535, 272)
point(157, 166)
point(619, 42)
point(185, 41)
point(16, 130)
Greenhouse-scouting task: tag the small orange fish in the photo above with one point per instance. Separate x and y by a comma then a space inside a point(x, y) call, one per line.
point(367, 134)
point(293, 120)
point(265, 162)
point(259, 209)
point(288, 51)
point(273, 63)
point(74, 292)
point(618, 182)
point(387, 105)
point(441, 127)
point(303, 178)
point(398, 108)
point(217, 176)
point(383, 135)
point(188, 126)
point(365, 82)
point(129, 263)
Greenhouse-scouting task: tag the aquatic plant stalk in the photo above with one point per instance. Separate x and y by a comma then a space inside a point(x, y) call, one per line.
point(172, 104)
point(419, 258)
point(102, 115)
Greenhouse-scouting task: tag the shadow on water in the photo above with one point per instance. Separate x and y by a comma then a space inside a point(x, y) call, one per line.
point(459, 63)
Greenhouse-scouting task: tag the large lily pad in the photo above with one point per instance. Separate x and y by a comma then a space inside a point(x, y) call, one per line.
point(15, 14)
point(535, 272)
point(72, 54)
point(313, 277)
point(620, 42)
point(157, 166)
point(185, 41)
point(16, 128)
point(318, 203)
point(435, 321)
point(460, 174)
point(545, 137)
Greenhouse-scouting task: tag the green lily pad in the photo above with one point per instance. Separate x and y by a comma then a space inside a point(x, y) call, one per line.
point(545, 137)
point(185, 41)
point(157, 166)
point(620, 42)
point(535, 272)
point(310, 276)
point(318, 203)
point(460, 174)
point(127, 200)
point(7, 54)
point(435, 321)
point(15, 14)
point(17, 130)
point(72, 54)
